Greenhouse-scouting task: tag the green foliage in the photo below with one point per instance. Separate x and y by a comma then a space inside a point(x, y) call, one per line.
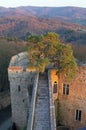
point(33, 38)
point(66, 61)
point(41, 64)
point(47, 49)
point(41, 49)
point(49, 42)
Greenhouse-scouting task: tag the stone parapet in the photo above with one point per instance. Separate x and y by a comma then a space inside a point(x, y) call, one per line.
point(52, 106)
point(14, 69)
point(31, 69)
point(33, 102)
point(16, 72)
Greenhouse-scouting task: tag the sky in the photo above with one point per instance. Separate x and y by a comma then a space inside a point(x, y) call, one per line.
point(44, 3)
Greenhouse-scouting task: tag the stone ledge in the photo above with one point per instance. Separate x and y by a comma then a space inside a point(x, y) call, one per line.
point(52, 107)
point(15, 69)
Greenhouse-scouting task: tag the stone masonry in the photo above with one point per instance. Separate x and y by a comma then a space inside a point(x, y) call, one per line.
point(72, 100)
point(71, 96)
point(21, 80)
point(42, 112)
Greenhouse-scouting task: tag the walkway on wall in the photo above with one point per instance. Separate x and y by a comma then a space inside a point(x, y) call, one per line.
point(42, 117)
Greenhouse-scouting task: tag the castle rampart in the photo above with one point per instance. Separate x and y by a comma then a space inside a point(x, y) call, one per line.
point(71, 95)
point(51, 100)
point(33, 103)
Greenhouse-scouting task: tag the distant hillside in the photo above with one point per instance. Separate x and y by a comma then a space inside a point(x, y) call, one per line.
point(74, 14)
point(20, 26)
point(69, 12)
point(21, 21)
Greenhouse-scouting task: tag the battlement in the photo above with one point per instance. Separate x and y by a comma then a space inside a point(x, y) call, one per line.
point(14, 69)
point(16, 72)
point(19, 69)
point(30, 69)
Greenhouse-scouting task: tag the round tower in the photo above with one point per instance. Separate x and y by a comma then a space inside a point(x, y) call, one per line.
point(20, 81)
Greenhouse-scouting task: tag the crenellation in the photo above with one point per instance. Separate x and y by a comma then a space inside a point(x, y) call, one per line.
point(15, 69)
point(31, 69)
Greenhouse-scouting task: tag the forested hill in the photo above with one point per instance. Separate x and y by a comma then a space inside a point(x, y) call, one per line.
point(22, 21)
point(49, 12)
point(72, 14)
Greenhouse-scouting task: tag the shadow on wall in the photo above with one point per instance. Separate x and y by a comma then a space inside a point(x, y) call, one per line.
point(14, 126)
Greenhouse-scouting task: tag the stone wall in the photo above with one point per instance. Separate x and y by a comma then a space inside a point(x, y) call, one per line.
point(75, 100)
point(51, 100)
point(19, 96)
point(54, 79)
point(33, 103)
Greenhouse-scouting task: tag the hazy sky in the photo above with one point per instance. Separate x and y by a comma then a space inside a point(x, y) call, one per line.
point(57, 3)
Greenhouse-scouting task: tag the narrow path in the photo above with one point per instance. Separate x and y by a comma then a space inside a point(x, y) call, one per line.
point(42, 119)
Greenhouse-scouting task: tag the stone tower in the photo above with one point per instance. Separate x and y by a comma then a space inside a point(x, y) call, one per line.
point(21, 80)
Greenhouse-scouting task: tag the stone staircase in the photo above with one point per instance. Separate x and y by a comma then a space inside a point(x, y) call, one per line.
point(42, 113)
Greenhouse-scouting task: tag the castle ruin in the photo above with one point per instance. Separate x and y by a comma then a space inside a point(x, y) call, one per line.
point(71, 95)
